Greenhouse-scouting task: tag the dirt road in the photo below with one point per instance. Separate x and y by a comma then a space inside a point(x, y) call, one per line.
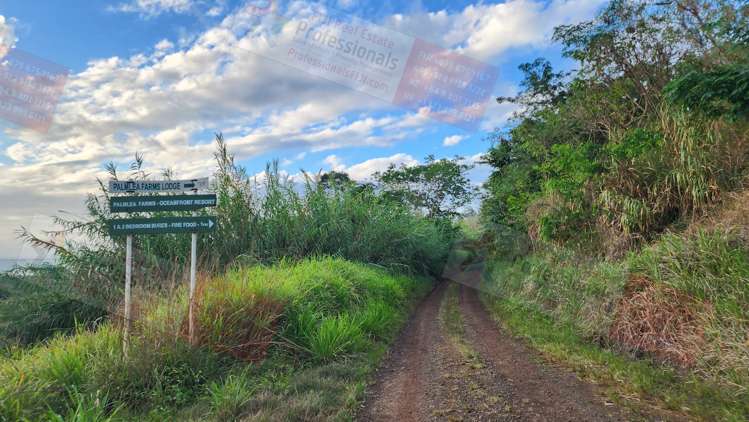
point(451, 362)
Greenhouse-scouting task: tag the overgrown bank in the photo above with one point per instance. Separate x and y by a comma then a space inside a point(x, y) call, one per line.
point(404, 224)
point(667, 324)
point(616, 211)
point(281, 342)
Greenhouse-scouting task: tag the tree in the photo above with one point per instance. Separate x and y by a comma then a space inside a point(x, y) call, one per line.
point(334, 178)
point(649, 128)
point(438, 188)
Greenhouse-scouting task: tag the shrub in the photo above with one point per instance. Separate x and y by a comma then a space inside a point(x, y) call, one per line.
point(228, 397)
point(40, 303)
point(323, 307)
point(335, 336)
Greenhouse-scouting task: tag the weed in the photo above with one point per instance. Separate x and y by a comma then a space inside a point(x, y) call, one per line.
point(229, 397)
point(335, 336)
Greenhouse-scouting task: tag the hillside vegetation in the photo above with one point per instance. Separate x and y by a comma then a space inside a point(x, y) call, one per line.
point(617, 203)
point(301, 288)
point(296, 319)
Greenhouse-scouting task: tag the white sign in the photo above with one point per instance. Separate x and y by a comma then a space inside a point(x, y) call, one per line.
point(132, 186)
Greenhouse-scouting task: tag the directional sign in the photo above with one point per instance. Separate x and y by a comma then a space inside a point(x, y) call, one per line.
point(161, 203)
point(150, 186)
point(161, 225)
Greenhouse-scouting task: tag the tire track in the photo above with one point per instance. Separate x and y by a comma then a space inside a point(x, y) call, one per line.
point(540, 392)
point(452, 363)
point(399, 393)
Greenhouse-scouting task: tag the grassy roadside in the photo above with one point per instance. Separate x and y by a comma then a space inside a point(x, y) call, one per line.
point(634, 383)
point(294, 341)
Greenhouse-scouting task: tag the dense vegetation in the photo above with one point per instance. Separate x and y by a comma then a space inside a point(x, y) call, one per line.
point(288, 326)
point(261, 220)
point(614, 200)
point(615, 216)
point(300, 317)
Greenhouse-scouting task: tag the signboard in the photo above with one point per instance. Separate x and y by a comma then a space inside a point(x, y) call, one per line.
point(161, 225)
point(150, 186)
point(161, 203)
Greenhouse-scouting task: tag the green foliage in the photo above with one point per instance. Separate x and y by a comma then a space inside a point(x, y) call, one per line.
point(42, 302)
point(330, 218)
point(437, 188)
point(715, 92)
point(330, 309)
point(640, 170)
point(647, 132)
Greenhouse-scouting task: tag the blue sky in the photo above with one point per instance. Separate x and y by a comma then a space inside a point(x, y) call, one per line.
point(161, 76)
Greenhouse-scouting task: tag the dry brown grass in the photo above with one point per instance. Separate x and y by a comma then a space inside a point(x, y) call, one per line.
point(730, 216)
point(661, 322)
point(242, 326)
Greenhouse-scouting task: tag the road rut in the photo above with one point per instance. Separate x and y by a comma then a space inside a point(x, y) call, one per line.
point(452, 362)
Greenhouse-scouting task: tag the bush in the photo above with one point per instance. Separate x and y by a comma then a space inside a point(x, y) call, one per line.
point(41, 303)
point(322, 307)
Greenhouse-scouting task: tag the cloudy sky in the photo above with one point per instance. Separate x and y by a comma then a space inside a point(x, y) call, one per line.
point(160, 77)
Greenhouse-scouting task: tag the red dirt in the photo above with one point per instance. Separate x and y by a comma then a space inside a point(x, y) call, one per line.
point(427, 377)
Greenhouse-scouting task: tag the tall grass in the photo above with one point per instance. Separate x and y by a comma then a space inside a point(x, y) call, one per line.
point(685, 299)
point(676, 170)
point(263, 219)
point(316, 310)
point(275, 218)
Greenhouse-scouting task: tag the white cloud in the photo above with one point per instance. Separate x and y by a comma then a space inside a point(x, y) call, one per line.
point(151, 8)
point(485, 31)
point(164, 45)
point(364, 170)
point(7, 37)
point(452, 140)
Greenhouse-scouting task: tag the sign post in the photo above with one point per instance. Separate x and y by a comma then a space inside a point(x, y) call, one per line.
point(193, 259)
point(148, 186)
point(128, 279)
point(148, 203)
point(193, 265)
point(160, 225)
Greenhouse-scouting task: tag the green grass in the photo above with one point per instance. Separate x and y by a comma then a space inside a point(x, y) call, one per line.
point(294, 339)
point(452, 320)
point(40, 304)
point(623, 376)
